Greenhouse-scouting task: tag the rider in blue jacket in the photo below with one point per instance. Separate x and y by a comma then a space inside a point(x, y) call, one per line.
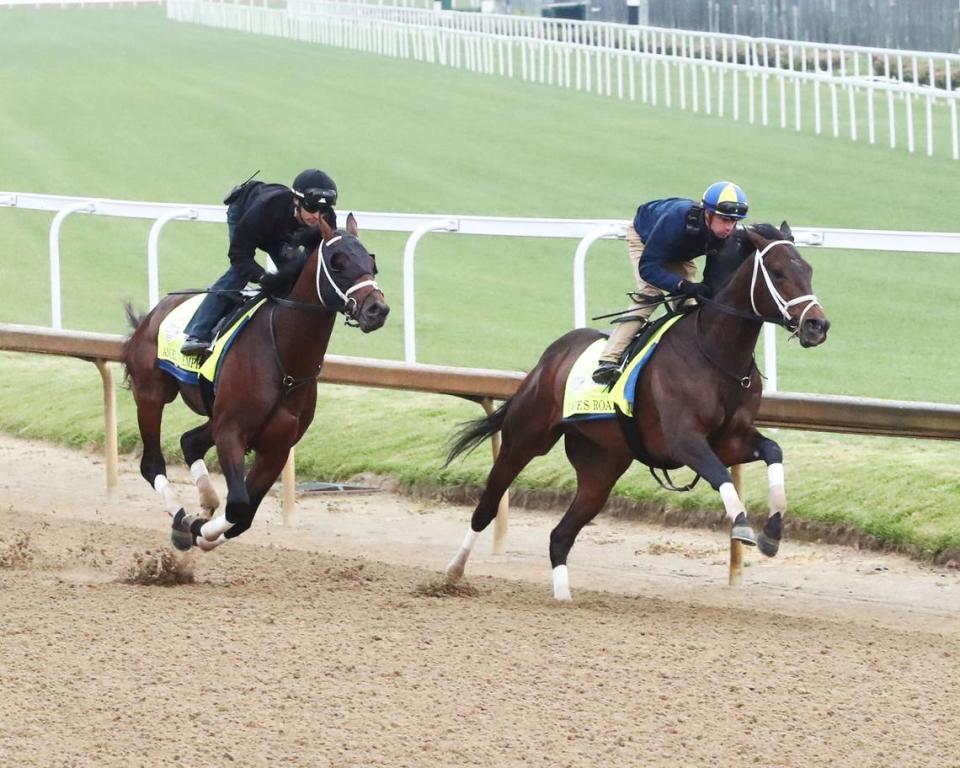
point(273, 218)
point(664, 238)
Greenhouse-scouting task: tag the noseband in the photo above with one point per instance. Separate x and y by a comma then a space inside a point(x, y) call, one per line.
point(347, 304)
point(788, 322)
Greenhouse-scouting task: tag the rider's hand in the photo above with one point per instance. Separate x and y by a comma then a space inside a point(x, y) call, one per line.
point(274, 282)
point(694, 290)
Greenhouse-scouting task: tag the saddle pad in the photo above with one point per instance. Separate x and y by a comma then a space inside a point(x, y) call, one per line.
point(585, 399)
point(189, 368)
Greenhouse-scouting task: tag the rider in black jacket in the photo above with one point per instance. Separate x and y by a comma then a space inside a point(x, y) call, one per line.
point(272, 217)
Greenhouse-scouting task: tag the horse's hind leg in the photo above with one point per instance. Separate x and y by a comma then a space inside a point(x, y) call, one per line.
point(151, 399)
point(195, 445)
point(598, 469)
point(516, 451)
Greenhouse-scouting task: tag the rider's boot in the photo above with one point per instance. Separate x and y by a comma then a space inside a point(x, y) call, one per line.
point(607, 373)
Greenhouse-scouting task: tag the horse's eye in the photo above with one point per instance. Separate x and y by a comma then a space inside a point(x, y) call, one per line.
point(336, 264)
point(776, 274)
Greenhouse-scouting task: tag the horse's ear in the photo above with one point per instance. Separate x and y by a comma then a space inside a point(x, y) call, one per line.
point(325, 229)
point(786, 231)
point(351, 224)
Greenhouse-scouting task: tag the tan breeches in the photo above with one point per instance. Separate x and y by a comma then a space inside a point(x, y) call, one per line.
point(623, 332)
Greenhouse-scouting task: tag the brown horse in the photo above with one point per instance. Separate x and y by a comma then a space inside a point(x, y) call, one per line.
point(696, 401)
point(267, 385)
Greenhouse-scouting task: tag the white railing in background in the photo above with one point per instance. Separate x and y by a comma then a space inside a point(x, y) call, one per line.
point(74, 3)
point(585, 231)
point(763, 80)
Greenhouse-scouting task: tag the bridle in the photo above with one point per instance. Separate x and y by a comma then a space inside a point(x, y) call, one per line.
point(341, 301)
point(788, 322)
point(785, 318)
point(347, 304)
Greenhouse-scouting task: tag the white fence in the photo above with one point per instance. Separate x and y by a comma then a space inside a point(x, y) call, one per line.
point(74, 3)
point(584, 231)
point(847, 90)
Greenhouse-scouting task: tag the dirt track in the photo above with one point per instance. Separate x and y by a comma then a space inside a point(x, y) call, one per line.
point(324, 644)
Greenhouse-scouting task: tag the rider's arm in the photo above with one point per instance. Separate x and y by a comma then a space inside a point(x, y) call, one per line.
point(263, 225)
point(665, 243)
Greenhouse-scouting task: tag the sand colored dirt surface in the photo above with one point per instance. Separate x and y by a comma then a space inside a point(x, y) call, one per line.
point(330, 642)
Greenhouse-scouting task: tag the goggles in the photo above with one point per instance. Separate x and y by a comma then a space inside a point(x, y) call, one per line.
point(313, 200)
point(731, 209)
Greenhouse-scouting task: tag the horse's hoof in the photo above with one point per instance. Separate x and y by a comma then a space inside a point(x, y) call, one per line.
point(453, 574)
point(742, 532)
point(766, 545)
point(768, 542)
point(182, 540)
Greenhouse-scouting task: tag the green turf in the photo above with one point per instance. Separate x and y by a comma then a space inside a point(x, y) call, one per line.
point(122, 103)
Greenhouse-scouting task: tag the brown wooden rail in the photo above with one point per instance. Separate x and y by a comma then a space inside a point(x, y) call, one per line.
point(821, 413)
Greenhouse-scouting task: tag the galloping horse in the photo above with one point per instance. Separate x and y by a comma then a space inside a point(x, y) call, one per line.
point(267, 387)
point(696, 401)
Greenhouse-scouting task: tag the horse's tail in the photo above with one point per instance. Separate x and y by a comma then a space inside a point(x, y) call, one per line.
point(472, 433)
point(134, 320)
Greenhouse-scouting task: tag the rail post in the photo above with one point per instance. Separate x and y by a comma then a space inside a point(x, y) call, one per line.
point(736, 547)
point(86, 206)
point(409, 313)
point(288, 488)
point(153, 262)
point(110, 451)
point(579, 269)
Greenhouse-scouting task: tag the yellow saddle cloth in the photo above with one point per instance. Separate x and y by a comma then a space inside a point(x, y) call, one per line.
point(189, 368)
point(585, 399)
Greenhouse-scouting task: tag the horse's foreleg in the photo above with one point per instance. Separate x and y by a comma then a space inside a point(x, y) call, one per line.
point(209, 533)
point(597, 469)
point(195, 445)
point(768, 542)
point(696, 453)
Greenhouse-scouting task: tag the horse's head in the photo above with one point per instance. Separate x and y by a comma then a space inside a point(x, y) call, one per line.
point(345, 277)
point(780, 284)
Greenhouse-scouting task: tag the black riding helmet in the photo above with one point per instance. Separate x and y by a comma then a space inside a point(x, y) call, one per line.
point(315, 190)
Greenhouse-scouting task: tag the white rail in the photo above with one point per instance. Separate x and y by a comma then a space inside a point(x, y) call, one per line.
point(585, 231)
point(771, 81)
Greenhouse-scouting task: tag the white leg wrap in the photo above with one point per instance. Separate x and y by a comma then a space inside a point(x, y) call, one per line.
point(777, 497)
point(198, 469)
point(206, 546)
point(469, 540)
point(455, 568)
point(212, 529)
point(170, 502)
point(731, 502)
point(561, 584)
point(209, 500)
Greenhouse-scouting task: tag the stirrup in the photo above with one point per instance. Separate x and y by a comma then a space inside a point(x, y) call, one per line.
point(606, 373)
point(193, 345)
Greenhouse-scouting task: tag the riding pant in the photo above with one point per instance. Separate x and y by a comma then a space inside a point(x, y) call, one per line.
point(624, 332)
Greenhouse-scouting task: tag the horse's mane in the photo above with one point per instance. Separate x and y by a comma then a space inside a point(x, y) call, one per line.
point(768, 231)
point(281, 282)
point(719, 267)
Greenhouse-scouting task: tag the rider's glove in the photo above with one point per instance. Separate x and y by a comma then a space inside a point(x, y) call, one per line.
point(694, 290)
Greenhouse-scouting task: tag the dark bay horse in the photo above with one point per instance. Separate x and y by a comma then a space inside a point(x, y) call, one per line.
point(695, 404)
point(267, 388)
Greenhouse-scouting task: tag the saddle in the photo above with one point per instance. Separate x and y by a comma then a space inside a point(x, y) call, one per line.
point(201, 370)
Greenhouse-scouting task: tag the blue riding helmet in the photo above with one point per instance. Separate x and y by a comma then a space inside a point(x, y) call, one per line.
point(726, 199)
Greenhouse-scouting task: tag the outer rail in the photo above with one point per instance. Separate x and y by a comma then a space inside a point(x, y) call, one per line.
point(820, 413)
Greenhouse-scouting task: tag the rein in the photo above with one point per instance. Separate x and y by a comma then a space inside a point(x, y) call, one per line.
point(348, 307)
point(743, 381)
